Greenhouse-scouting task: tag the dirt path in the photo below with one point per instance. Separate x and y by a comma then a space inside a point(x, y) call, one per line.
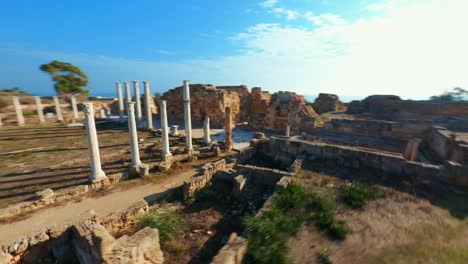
point(102, 206)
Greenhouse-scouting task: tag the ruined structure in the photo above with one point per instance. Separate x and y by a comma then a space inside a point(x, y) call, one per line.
point(287, 108)
point(261, 109)
point(327, 103)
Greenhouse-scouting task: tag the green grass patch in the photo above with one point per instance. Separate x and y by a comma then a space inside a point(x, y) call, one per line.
point(324, 217)
point(357, 194)
point(267, 235)
point(168, 223)
point(290, 208)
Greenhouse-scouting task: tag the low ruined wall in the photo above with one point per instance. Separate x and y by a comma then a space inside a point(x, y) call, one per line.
point(446, 147)
point(407, 109)
point(262, 175)
point(381, 128)
point(56, 240)
point(48, 197)
point(199, 182)
point(287, 150)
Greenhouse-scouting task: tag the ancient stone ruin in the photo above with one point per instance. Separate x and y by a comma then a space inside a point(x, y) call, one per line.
point(182, 183)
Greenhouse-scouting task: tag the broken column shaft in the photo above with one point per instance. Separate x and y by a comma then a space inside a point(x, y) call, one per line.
point(19, 111)
point(58, 109)
point(165, 131)
point(74, 107)
point(148, 112)
point(97, 174)
point(188, 121)
point(228, 143)
point(121, 103)
point(40, 111)
point(206, 131)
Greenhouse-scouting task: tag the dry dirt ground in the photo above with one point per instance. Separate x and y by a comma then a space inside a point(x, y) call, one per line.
point(401, 227)
point(33, 158)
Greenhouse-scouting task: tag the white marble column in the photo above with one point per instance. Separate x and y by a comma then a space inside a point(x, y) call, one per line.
point(58, 109)
point(188, 121)
point(19, 111)
point(40, 111)
point(137, 100)
point(102, 113)
point(148, 104)
point(121, 103)
point(165, 131)
point(74, 107)
point(128, 94)
point(132, 130)
point(97, 174)
point(206, 131)
point(288, 131)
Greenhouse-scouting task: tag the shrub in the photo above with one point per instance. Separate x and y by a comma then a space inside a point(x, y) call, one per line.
point(357, 194)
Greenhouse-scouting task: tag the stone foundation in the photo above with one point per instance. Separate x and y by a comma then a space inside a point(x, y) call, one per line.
point(90, 240)
point(48, 196)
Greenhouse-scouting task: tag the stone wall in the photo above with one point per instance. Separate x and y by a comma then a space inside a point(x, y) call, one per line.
point(381, 128)
point(48, 196)
point(286, 150)
point(206, 99)
point(66, 243)
point(327, 103)
point(233, 252)
point(447, 146)
point(286, 108)
point(391, 107)
point(201, 180)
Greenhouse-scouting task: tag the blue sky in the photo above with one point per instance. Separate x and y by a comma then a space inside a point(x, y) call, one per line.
point(352, 48)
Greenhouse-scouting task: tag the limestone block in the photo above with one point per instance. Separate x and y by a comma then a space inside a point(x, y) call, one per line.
point(5, 258)
point(45, 194)
point(38, 237)
point(18, 246)
point(233, 252)
point(239, 184)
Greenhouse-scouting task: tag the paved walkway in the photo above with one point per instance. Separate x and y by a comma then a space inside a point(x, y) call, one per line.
point(102, 206)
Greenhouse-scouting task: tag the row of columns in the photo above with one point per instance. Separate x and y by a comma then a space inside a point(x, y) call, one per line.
point(128, 98)
point(40, 110)
point(97, 173)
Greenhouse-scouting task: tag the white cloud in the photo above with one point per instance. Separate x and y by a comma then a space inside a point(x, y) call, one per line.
point(269, 3)
point(290, 14)
point(414, 50)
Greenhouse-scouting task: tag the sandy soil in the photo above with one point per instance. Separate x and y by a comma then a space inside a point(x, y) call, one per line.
point(102, 206)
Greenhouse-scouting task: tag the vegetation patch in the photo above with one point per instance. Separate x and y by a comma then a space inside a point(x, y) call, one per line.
point(290, 208)
point(325, 218)
point(357, 194)
point(267, 235)
point(168, 222)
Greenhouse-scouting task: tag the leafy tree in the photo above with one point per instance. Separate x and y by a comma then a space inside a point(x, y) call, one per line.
point(456, 94)
point(67, 77)
point(13, 90)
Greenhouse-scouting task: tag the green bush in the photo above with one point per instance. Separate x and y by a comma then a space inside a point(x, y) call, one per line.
point(357, 194)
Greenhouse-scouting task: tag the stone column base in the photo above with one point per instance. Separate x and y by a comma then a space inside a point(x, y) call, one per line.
point(140, 170)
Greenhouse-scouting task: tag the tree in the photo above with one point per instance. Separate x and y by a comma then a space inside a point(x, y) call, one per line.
point(67, 77)
point(456, 94)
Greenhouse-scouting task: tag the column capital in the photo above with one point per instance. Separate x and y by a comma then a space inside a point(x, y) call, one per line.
point(88, 108)
point(135, 82)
